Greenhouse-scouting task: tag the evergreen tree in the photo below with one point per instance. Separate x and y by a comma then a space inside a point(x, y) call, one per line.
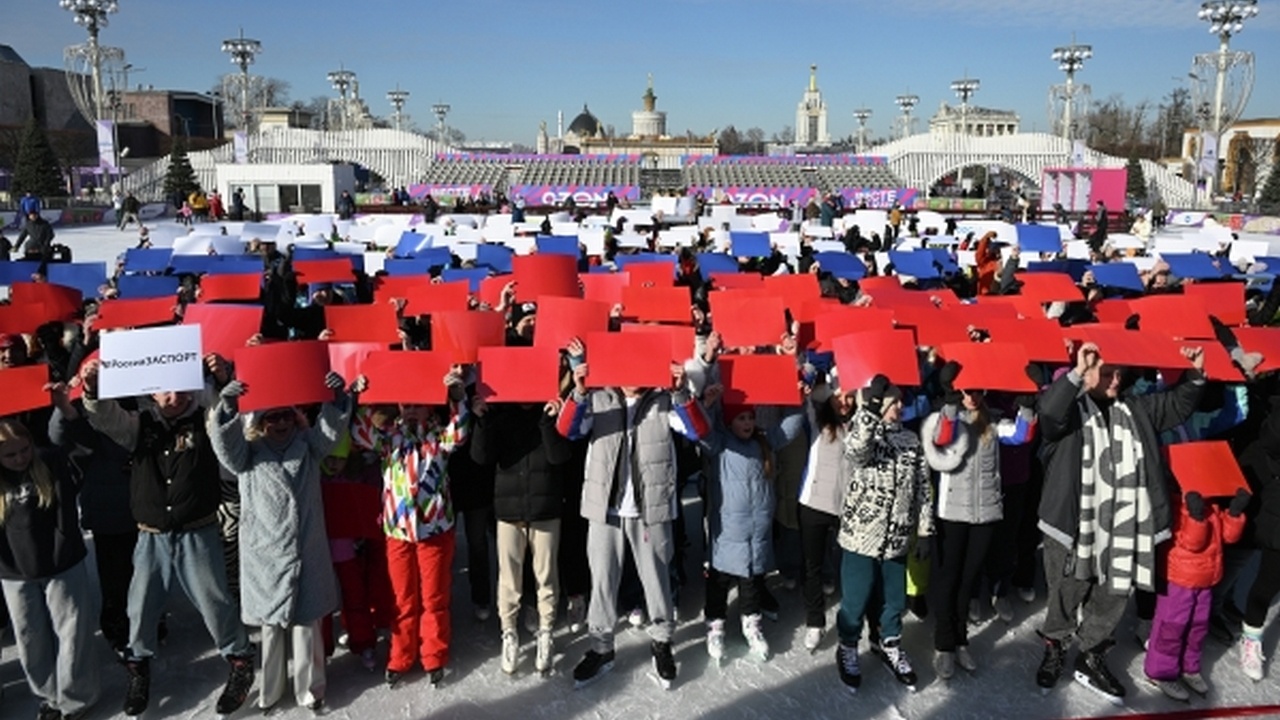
point(181, 178)
point(1269, 202)
point(1137, 183)
point(37, 170)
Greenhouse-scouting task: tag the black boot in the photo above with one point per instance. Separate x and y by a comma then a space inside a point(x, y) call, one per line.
point(592, 666)
point(239, 681)
point(663, 662)
point(137, 694)
point(1055, 657)
point(1092, 672)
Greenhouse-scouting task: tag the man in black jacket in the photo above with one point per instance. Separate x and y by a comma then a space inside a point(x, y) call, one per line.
point(1104, 507)
point(38, 235)
point(174, 495)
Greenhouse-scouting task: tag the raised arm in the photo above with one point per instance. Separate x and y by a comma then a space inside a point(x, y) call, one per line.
point(226, 430)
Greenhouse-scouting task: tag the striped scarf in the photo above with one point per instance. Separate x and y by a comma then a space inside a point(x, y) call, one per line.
point(1116, 543)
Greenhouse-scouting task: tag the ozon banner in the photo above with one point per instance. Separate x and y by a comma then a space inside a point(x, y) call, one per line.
point(151, 360)
point(541, 195)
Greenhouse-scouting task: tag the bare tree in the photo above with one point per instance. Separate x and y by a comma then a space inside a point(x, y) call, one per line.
point(786, 135)
point(755, 141)
point(263, 92)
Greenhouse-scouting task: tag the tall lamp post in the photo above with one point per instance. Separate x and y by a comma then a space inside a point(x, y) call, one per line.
point(1070, 59)
point(907, 103)
point(397, 99)
point(965, 89)
point(441, 110)
point(242, 51)
point(342, 79)
point(1225, 18)
point(862, 115)
point(92, 16)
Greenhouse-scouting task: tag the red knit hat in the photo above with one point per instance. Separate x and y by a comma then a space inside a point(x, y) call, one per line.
point(732, 411)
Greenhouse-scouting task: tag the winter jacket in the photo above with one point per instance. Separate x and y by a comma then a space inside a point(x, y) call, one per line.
point(740, 497)
point(1194, 558)
point(889, 498)
point(969, 484)
point(38, 238)
point(601, 415)
point(286, 573)
point(36, 542)
point(174, 485)
point(416, 500)
point(826, 476)
point(1062, 431)
point(530, 457)
point(106, 468)
point(1260, 462)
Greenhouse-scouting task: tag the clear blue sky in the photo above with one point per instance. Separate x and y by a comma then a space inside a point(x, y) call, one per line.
point(506, 65)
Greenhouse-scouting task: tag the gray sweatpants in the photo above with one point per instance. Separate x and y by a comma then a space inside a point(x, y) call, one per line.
point(652, 547)
point(54, 621)
point(300, 646)
point(1100, 610)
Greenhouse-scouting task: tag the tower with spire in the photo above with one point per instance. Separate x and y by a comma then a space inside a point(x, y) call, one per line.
point(811, 115)
point(649, 123)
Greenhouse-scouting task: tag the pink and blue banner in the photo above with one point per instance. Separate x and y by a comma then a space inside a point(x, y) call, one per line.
point(524, 158)
point(536, 195)
point(841, 160)
point(879, 198)
point(457, 190)
point(758, 195)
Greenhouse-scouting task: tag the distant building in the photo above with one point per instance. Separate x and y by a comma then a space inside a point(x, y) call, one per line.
point(289, 118)
point(42, 93)
point(973, 120)
point(811, 116)
point(649, 123)
point(1250, 148)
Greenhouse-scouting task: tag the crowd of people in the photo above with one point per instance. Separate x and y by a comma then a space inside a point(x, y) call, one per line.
point(932, 493)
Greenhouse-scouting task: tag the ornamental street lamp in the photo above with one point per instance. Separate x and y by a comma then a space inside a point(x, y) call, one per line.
point(862, 115)
point(242, 51)
point(1070, 59)
point(92, 16)
point(342, 79)
point(397, 99)
point(1226, 18)
point(441, 110)
point(965, 89)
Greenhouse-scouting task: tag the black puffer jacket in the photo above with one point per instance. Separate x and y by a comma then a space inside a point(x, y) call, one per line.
point(1260, 462)
point(521, 440)
point(38, 542)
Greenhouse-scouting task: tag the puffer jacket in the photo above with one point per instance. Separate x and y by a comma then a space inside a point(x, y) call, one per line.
point(1260, 463)
point(741, 497)
point(969, 484)
point(529, 454)
point(1194, 559)
point(889, 498)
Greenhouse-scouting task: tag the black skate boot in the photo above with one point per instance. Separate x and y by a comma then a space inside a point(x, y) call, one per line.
point(1092, 672)
point(1055, 657)
point(239, 681)
point(664, 664)
point(137, 694)
point(847, 664)
point(592, 667)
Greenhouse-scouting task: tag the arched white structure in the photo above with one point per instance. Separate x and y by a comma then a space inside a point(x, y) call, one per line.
point(399, 157)
point(922, 160)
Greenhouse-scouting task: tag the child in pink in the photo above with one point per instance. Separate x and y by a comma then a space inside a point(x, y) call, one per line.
point(1193, 565)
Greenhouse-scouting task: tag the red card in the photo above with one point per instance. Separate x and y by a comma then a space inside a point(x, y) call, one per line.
point(425, 298)
point(1026, 307)
point(604, 287)
point(651, 274)
point(630, 360)
point(1173, 316)
point(795, 290)
point(979, 313)
point(224, 329)
point(1223, 300)
point(990, 366)
point(60, 302)
point(1207, 467)
point(546, 274)
point(737, 281)
point(491, 289)
point(411, 378)
point(24, 389)
point(1262, 340)
point(363, 323)
point(1113, 311)
point(759, 380)
point(462, 334)
point(214, 288)
point(1040, 339)
point(1045, 288)
point(748, 321)
point(283, 374)
point(352, 509)
point(347, 359)
point(562, 319)
point(333, 270)
point(20, 319)
point(1218, 364)
point(862, 356)
point(519, 374)
point(115, 314)
point(1126, 348)
point(933, 327)
point(846, 320)
point(811, 309)
point(657, 304)
point(683, 338)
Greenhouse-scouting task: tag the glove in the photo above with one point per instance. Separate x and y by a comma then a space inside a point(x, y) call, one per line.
point(1239, 503)
point(1195, 505)
point(334, 381)
point(231, 393)
point(1026, 401)
point(922, 548)
point(946, 377)
point(874, 394)
point(1036, 374)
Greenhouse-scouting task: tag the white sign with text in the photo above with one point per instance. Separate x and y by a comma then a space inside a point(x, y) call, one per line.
point(151, 360)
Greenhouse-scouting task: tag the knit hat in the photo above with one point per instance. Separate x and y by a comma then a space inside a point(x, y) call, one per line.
point(732, 411)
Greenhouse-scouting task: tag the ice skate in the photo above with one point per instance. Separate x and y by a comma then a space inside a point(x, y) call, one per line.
point(847, 664)
point(1251, 658)
point(1172, 689)
point(1195, 682)
point(239, 681)
point(510, 651)
point(1050, 671)
point(1092, 672)
point(664, 664)
point(592, 667)
point(896, 658)
point(813, 638)
point(965, 659)
point(137, 694)
point(757, 644)
point(577, 611)
point(545, 653)
point(944, 664)
point(715, 640)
